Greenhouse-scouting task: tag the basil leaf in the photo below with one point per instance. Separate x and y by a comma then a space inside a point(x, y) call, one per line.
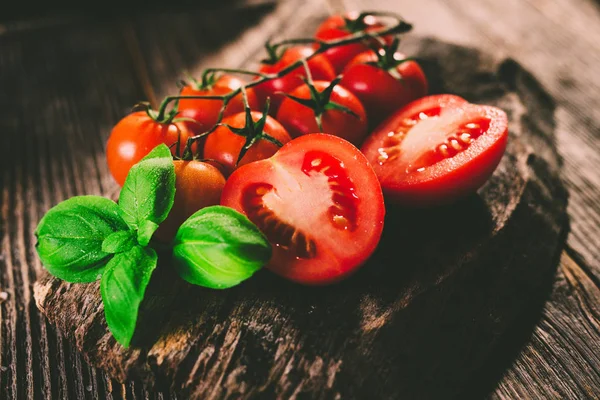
point(70, 237)
point(218, 248)
point(123, 287)
point(145, 232)
point(119, 242)
point(149, 191)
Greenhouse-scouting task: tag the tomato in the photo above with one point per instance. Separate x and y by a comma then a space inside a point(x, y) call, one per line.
point(380, 91)
point(299, 119)
point(436, 150)
point(205, 112)
point(224, 146)
point(336, 27)
point(197, 185)
point(318, 202)
point(320, 69)
point(135, 136)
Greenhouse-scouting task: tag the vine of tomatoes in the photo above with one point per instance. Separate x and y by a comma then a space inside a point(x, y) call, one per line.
point(316, 142)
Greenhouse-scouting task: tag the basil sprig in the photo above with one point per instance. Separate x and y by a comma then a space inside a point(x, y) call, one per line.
point(87, 238)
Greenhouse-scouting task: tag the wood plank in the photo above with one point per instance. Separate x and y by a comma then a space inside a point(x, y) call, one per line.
point(63, 88)
point(397, 330)
point(551, 44)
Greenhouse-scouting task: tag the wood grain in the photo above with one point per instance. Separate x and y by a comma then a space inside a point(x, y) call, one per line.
point(401, 326)
point(555, 39)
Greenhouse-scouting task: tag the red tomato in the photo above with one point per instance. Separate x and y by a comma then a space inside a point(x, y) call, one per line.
point(224, 146)
point(380, 92)
point(299, 119)
point(436, 150)
point(318, 202)
point(135, 136)
point(320, 69)
point(197, 185)
point(206, 112)
point(336, 27)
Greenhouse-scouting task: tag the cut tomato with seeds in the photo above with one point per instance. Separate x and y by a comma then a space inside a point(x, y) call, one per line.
point(436, 150)
point(322, 210)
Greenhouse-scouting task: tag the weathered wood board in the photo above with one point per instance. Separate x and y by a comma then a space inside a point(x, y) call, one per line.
point(417, 320)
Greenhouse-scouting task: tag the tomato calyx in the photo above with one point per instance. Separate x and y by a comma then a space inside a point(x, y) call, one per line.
point(320, 102)
point(388, 58)
point(253, 131)
point(274, 53)
point(357, 24)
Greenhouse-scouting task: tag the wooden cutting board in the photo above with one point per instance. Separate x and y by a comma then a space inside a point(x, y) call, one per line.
point(416, 321)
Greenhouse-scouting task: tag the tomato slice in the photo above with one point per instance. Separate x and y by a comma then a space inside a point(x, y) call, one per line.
point(319, 203)
point(436, 150)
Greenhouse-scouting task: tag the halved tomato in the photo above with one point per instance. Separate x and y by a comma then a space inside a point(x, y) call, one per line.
point(436, 150)
point(318, 202)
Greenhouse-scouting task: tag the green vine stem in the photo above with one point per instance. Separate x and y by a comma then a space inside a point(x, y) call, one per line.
point(401, 26)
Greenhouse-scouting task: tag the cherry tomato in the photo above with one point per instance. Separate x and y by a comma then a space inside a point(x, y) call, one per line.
point(436, 150)
point(320, 69)
point(205, 112)
point(197, 185)
point(299, 119)
point(337, 27)
point(135, 136)
point(224, 146)
point(382, 92)
point(318, 202)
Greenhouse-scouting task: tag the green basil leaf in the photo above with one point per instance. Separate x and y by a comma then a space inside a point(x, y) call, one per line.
point(149, 190)
point(70, 237)
point(145, 232)
point(123, 287)
point(119, 242)
point(218, 248)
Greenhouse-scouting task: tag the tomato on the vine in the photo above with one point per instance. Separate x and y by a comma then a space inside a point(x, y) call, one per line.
point(197, 185)
point(206, 111)
point(436, 150)
point(136, 135)
point(384, 84)
point(340, 112)
point(225, 144)
point(338, 27)
point(320, 69)
point(318, 202)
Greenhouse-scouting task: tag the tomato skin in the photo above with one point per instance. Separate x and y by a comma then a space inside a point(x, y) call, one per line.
point(135, 136)
point(224, 146)
point(338, 252)
point(381, 93)
point(334, 28)
point(446, 179)
point(320, 69)
point(197, 185)
point(205, 112)
point(300, 120)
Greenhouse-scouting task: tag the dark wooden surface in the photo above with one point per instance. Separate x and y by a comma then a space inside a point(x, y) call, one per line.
point(66, 81)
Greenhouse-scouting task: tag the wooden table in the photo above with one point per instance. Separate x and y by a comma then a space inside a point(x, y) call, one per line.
point(66, 80)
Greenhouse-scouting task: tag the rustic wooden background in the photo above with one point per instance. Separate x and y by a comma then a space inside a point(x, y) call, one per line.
point(74, 75)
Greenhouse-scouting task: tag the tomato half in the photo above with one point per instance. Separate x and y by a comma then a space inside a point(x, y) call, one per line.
point(197, 185)
point(336, 27)
point(380, 91)
point(436, 150)
point(299, 119)
point(320, 69)
point(318, 202)
point(224, 146)
point(135, 136)
point(205, 112)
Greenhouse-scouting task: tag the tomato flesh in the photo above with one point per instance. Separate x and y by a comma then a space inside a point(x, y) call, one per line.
point(322, 210)
point(436, 150)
